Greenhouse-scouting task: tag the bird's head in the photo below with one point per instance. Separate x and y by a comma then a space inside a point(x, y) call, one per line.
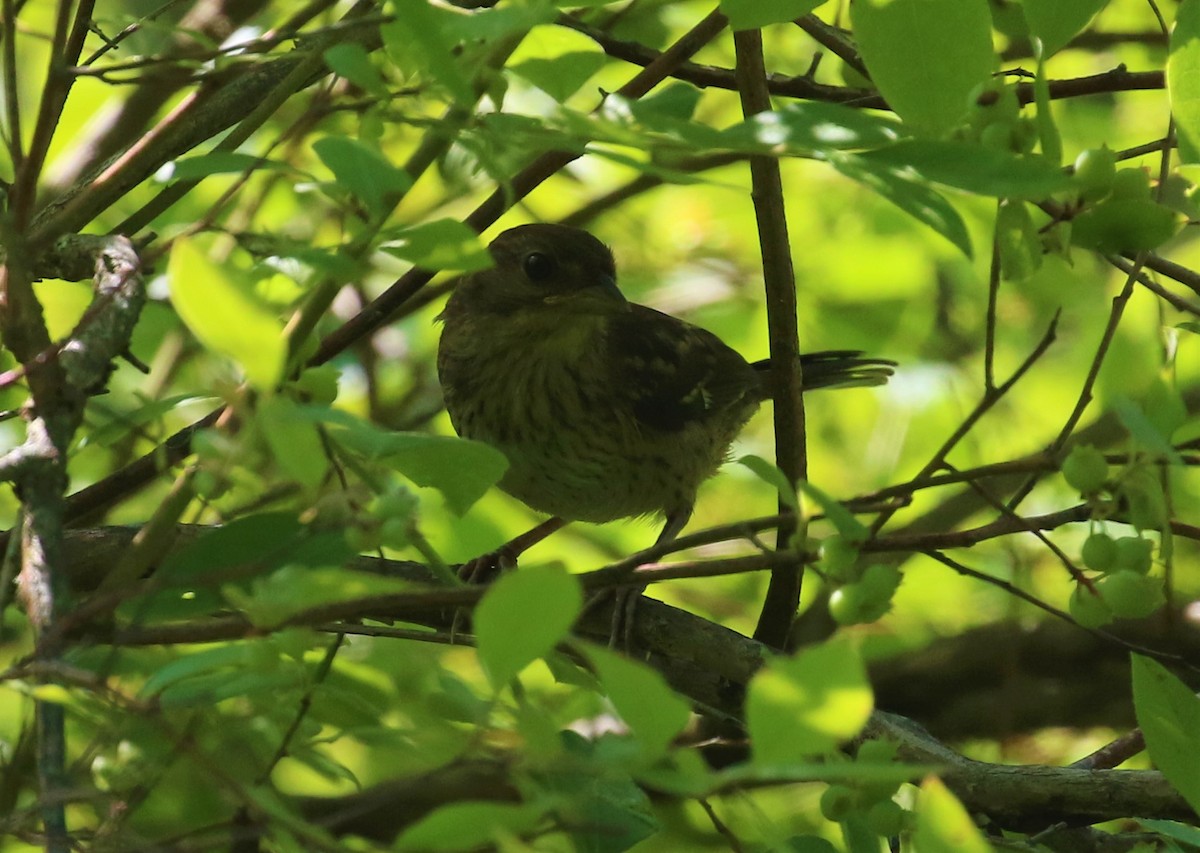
point(545, 267)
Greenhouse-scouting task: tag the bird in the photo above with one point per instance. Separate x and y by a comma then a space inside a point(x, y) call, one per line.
point(605, 409)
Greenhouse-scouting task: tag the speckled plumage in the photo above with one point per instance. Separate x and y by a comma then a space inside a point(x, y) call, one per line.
point(604, 409)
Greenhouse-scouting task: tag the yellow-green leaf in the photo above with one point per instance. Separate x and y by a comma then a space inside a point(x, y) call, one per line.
point(223, 316)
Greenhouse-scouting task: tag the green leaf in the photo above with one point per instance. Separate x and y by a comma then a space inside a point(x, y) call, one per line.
point(850, 527)
point(444, 244)
point(1056, 22)
point(913, 197)
point(1124, 225)
point(468, 826)
point(363, 172)
point(1168, 713)
point(943, 825)
point(771, 475)
point(523, 617)
point(121, 426)
point(557, 60)
point(1048, 136)
point(642, 698)
point(219, 162)
point(1143, 429)
point(752, 14)
point(351, 60)
point(809, 126)
point(1183, 79)
point(806, 705)
point(283, 594)
point(461, 469)
point(223, 316)
point(268, 539)
point(974, 168)
point(926, 56)
point(420, 34)
point(1017, 239)
point(293, 441)
point(1178, 831)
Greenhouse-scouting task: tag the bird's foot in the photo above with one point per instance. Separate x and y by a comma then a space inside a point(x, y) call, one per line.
point(487, 567)
point(624, 601)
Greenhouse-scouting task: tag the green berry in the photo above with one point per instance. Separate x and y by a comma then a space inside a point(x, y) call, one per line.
point(886, 818)
point(1130, 595)
point(845, 605)
point(1131, 184)
point(319, 385)
point(1085, 469)
point(877, 751)
point(1094, 171)
point(997, 135)
point(838, 557)
point(394, 532)
point(1133, 554)
point(1099, 552)
point(363, 538)
point(838, 802)
point(1089, 609)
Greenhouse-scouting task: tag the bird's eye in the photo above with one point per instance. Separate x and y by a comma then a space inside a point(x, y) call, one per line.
point(539, 267)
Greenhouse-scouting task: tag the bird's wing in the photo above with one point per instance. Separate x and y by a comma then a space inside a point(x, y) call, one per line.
point(674, 373)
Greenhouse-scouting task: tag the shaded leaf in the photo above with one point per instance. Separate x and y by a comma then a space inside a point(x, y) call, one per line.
point(209, 301)
point(803, 706)
point(1183, 79)
point(926, 56)
point(642, 698)
point(752, 14)
point(1168, 713)
point(523, 617)
point(911, 196)
point(363, 171)
point(1056, 22)
point(975, 168)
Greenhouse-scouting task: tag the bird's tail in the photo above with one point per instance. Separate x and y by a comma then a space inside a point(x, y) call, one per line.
point(839, 369)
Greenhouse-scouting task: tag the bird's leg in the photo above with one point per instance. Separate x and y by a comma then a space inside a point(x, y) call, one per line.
point(627, 597)
point(484, 567)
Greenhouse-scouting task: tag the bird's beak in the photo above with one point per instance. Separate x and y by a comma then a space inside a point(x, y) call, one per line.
point(600, 297)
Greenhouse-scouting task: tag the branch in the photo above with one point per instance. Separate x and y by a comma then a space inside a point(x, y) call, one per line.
point(779, 280)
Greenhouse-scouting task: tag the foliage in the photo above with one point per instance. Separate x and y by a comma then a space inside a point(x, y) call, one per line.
point(238, 618)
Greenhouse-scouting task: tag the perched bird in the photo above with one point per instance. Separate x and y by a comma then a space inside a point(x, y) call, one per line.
point(605, 409)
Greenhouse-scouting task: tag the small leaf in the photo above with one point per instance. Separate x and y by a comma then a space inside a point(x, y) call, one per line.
point(461, 469)
point(806, 705)
point(1168, 713)
point(523, 617)
point(363, 171)
point(752, 14)
point(850, 527)
point(1183, 79)
point(943, 825)
point(810, 126)
point(444, 244)
point(1056, 22)
point(218, 163)
point(915, 198)
point(771, 475)
point(223, 316)
point(975, 168)
point(642, 698)
point(1124, 225)
point(557, 60)
point(293, 441)
point(468, 826)
point(351, 60)
point(899, 38)
point(420, 33)
point(1017, 239)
